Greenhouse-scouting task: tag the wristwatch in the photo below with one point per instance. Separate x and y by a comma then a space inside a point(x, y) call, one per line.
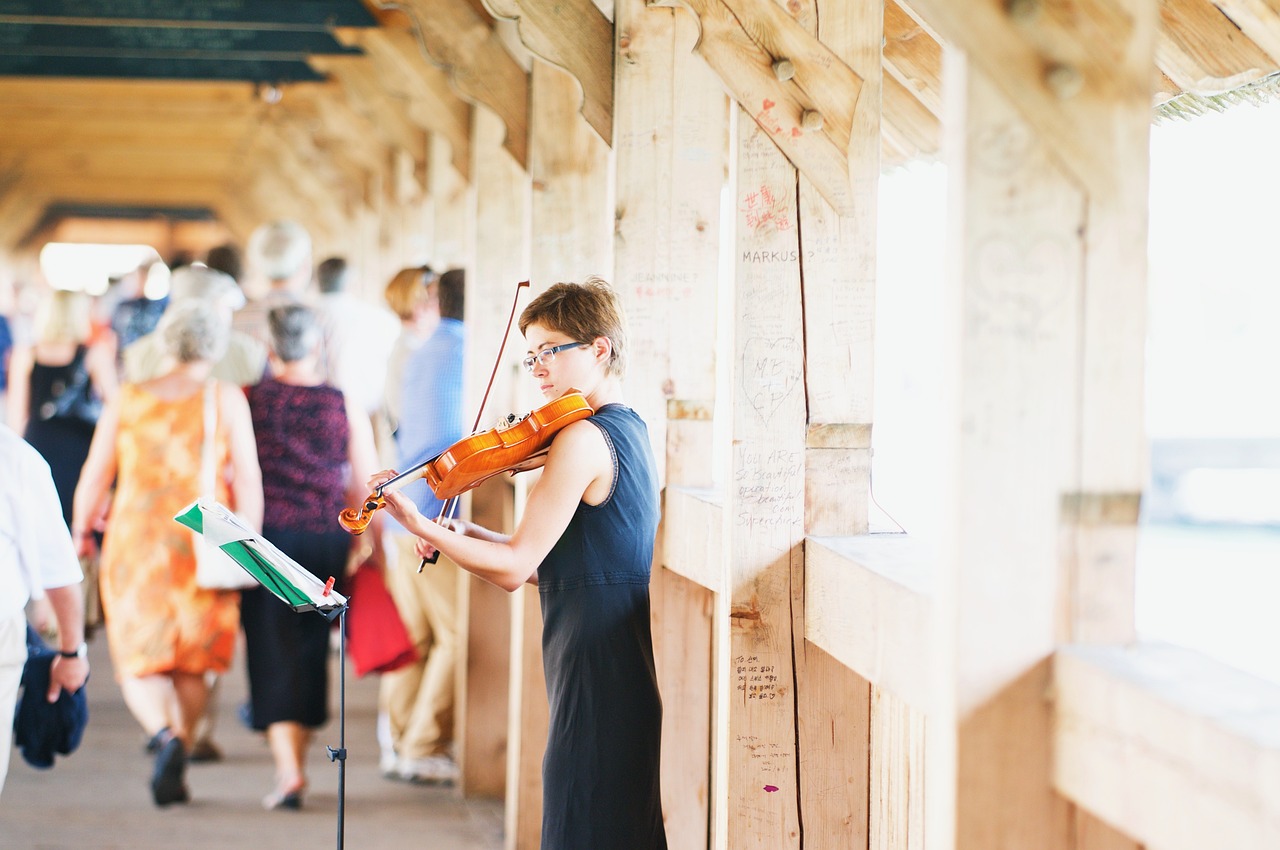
point(81, 651)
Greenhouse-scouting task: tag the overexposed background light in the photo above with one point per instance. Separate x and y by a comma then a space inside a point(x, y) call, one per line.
point(1213, 348)
point(89, 268)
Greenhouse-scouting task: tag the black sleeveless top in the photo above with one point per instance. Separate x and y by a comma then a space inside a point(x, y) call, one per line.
point(63, 440)
point(600, 772)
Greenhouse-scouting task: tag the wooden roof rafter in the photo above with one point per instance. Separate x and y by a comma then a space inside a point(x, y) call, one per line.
point(365, 94)
point(432, 103)
point(332, 118)
point(314, 167)
point(1205, 52)
point(1257, 19)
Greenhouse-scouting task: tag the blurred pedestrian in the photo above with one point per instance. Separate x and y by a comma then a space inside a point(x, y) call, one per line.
point(37, 560)
point(316, 450)
point(165, 632)
point(59, 384)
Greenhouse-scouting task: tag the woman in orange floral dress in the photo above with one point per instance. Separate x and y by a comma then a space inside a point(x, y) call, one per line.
point(164, 632)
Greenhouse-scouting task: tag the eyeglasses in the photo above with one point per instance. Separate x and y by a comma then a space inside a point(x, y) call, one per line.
point(546, 355)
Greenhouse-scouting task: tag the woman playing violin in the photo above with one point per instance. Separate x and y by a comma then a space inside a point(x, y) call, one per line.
point(586, 539)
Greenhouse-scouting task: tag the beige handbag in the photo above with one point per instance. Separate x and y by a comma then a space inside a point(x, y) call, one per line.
point(215, 569)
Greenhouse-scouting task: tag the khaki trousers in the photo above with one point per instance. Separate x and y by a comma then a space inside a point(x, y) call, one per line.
point(419, 697)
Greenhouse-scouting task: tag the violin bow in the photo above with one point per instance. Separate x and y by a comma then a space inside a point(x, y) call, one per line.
point(450, 505)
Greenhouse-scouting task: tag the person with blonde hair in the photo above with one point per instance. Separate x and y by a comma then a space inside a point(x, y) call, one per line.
point(167, 634)
point(58, 385)
point(243, 360)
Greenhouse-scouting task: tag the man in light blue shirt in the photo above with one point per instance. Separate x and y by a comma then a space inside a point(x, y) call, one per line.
point(418, 698)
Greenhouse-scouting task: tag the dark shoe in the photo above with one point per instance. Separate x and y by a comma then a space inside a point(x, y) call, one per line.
point(289, 800)
point(167, 779)
point(157, 740)
point(204, 751)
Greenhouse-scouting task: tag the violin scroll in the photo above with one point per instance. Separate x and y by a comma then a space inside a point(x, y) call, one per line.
point(357, 520)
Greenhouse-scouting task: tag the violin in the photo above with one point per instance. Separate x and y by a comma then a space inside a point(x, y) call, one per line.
point(515, 445)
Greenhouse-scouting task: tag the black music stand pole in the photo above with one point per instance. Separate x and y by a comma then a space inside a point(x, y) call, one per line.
point(340, 754)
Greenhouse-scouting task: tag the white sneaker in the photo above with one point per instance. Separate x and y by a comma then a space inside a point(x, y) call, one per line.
point(433, 770)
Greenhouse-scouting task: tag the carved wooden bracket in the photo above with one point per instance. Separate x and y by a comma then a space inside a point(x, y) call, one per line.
point(789, 82)
point(573, 35)
point(460, 41)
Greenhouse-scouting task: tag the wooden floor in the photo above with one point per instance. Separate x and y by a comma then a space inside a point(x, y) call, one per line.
point(98, 797)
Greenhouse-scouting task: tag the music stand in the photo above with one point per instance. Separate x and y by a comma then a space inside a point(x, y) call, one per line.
point(293, 585)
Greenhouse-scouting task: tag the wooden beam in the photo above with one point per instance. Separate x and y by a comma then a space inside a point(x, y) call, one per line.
point(576, 36)
point(764, 508)
point(683, 625)
point(1063, 69)
point(74, 127)
point(838, 263)
point(915, 130)
point(1018, 226)
point(1205, 52)
point(484, 686)
point(692, 544)
point(805, 106)
point(912, 58)
point(1175, 750)
point(462, 42)
point(1259, 20)
point(406, 75)
point(670, 152)
point(334, 120)
point(899, 798)
point(871, 602)
point(366, 95)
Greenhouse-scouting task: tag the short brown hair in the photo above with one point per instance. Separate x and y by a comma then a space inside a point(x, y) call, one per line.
point(408, 289)
point(582, 311)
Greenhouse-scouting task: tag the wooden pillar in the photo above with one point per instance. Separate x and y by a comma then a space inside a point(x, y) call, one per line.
point(570, 224)
point(452, 213)
point(838, 265)
point(1048, 247)
point(764, 505)
point(1016, 225)
point(498, 261)
point(670, 121)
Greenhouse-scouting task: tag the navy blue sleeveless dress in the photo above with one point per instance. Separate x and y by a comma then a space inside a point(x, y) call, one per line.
point(600, 772)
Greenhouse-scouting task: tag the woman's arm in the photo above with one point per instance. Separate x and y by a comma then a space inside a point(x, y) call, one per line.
point(96, 476)
point(246, 475)
point(579, 457)
point(101, 363)
point(20, 363)
point(362, 455)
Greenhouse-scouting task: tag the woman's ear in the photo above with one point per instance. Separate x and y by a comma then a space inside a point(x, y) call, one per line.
point(602, 348)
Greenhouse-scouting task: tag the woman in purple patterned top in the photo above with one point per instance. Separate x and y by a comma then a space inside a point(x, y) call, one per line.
point(316, 451)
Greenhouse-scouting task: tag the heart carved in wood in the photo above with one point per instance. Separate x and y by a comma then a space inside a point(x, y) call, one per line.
point(770, 371)
point(1020, 285)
